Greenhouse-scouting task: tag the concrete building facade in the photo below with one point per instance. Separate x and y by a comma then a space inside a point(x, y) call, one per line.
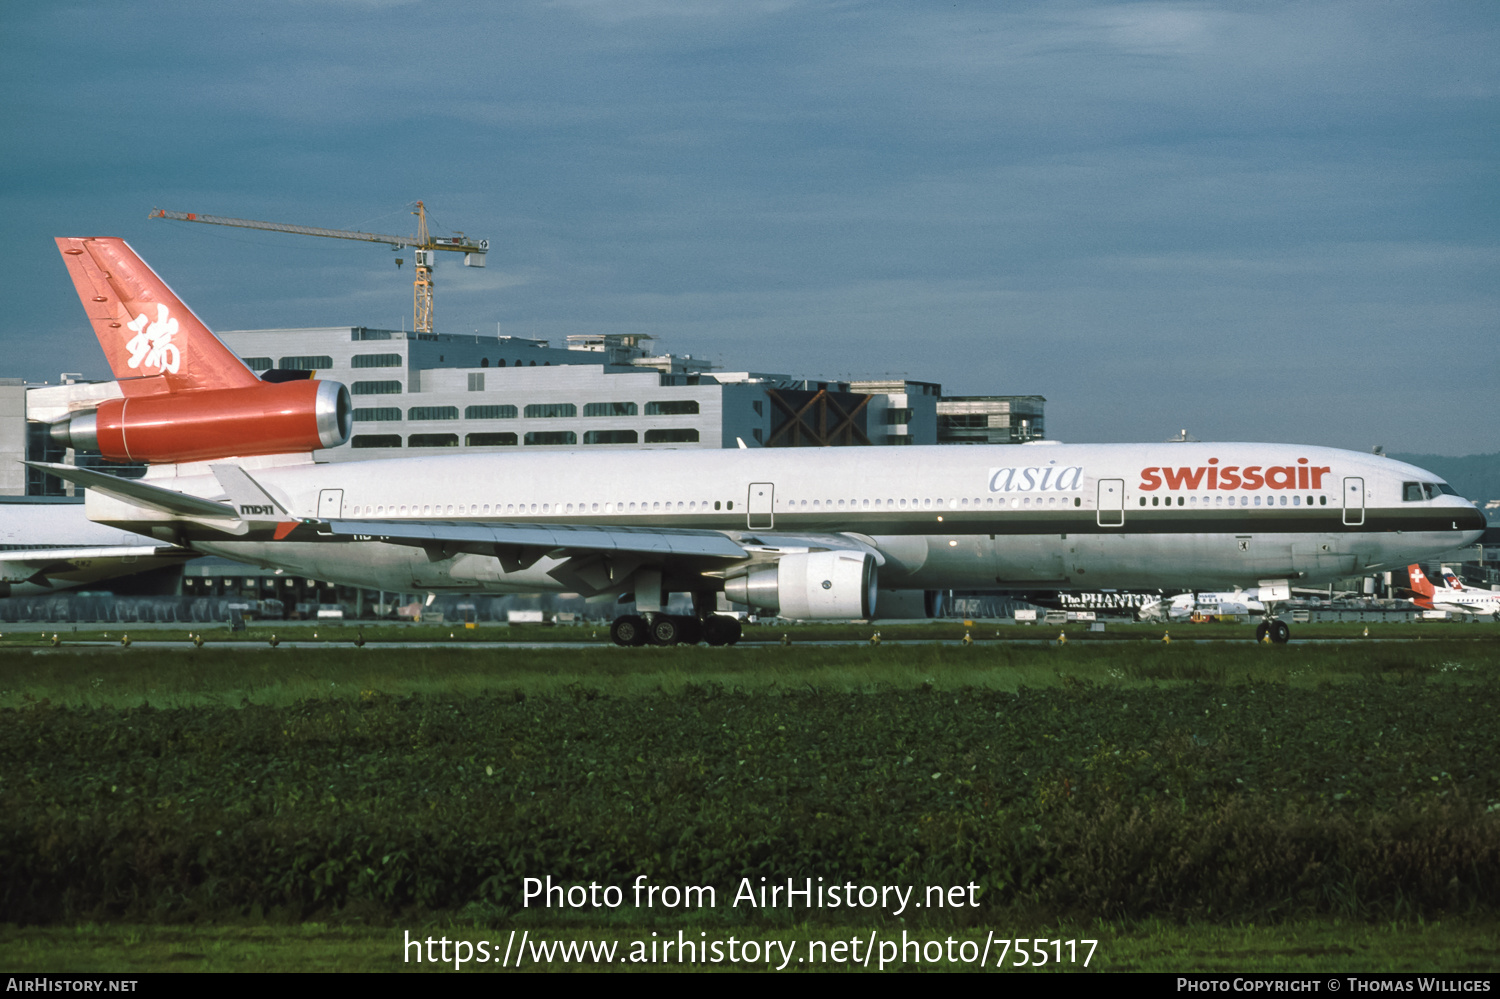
point(416, 393)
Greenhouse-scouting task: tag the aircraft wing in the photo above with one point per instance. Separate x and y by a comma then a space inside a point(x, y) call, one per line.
point(592, 559)
point(520, 545)
point(62, 567)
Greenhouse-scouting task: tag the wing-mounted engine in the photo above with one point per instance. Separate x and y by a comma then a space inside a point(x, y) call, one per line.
point(810, 586)
point(206, 424)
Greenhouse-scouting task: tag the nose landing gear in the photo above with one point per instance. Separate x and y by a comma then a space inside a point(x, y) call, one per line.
point(1276, 629)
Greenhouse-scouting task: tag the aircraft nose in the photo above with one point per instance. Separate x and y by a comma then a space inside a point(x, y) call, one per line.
point(1469, 519)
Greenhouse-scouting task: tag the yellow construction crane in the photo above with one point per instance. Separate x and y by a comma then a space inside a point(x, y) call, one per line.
point(422, 243)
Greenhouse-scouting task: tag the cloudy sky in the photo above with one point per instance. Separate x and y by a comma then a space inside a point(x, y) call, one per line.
point(1265, 221)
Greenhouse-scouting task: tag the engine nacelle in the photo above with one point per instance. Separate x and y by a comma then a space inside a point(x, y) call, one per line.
point(810, 586)
point(201, 425)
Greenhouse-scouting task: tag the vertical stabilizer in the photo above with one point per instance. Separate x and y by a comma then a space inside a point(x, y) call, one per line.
point(153, 341)
point(1421, 585)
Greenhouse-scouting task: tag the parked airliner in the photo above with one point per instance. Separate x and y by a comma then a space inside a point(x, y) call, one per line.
point(806, 533)
point(1453, 596)
point(46, 547)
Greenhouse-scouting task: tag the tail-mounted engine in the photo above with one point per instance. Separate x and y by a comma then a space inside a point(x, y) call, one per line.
point(201, 425)
point(810, 586)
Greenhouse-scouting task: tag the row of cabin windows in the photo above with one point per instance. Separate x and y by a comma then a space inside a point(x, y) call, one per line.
point(514, 509)
point(1229, 501)
point(534, 439)
point(918, 503)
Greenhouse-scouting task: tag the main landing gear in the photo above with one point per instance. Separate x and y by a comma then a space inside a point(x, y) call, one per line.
point(1278, 630)
point(674, 629)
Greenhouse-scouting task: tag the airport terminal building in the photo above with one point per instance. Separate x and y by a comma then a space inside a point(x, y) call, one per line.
point(424, 392)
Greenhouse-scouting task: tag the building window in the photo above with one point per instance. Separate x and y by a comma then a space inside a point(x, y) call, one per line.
point(546, 410)
point(369, 415)
point(476, 381)
point(898, 438)
point(432, 413)
point(609, 409)
point(258, 363)
point(551, 437)
point(672, 436)
point(610, 437)
point(376, 361)
point(490, 440)
point(489, 412)
point(306, 362)
point(676, 407)
point(895, 416)
point(375, 388)
point(375, 440)
point(432, 440)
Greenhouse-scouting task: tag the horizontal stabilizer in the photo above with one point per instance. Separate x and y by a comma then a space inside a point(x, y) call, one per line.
point(138, 492)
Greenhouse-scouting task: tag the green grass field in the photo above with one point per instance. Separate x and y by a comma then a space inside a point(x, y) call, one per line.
point(1193, 806)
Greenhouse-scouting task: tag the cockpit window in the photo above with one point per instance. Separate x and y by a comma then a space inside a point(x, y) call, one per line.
point(1430, 488)
point(1411, 492)
point(1446, 489)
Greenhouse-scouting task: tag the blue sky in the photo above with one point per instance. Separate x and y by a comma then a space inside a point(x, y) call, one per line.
point(1263, 221)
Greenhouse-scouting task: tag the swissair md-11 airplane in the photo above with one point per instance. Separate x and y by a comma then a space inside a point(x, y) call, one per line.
point(806, 533)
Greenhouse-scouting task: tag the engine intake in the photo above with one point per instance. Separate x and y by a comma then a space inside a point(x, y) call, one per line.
point(201, 425)
point(810, 586)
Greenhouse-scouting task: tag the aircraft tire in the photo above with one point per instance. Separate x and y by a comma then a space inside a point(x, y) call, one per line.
point(665, 630)
point(689, 631)
point(721, 629)
point(628, 630)
point(1281, 632)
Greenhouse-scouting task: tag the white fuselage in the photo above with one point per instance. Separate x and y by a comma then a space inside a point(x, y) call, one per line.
point(50, 546)
point(1466, 601)
point(972, 517)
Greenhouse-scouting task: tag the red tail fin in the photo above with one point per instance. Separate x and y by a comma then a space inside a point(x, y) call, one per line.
point(1420, 583)
point(152, 340)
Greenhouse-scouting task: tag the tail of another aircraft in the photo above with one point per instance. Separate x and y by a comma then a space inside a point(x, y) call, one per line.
point(153, 342)
point(1421, 585)
point(1451, 580)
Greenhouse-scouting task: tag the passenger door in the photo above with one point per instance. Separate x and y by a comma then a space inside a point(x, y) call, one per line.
point(760, 508)
point(331, 504)
point(1354, 501)
point(1110, 509)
